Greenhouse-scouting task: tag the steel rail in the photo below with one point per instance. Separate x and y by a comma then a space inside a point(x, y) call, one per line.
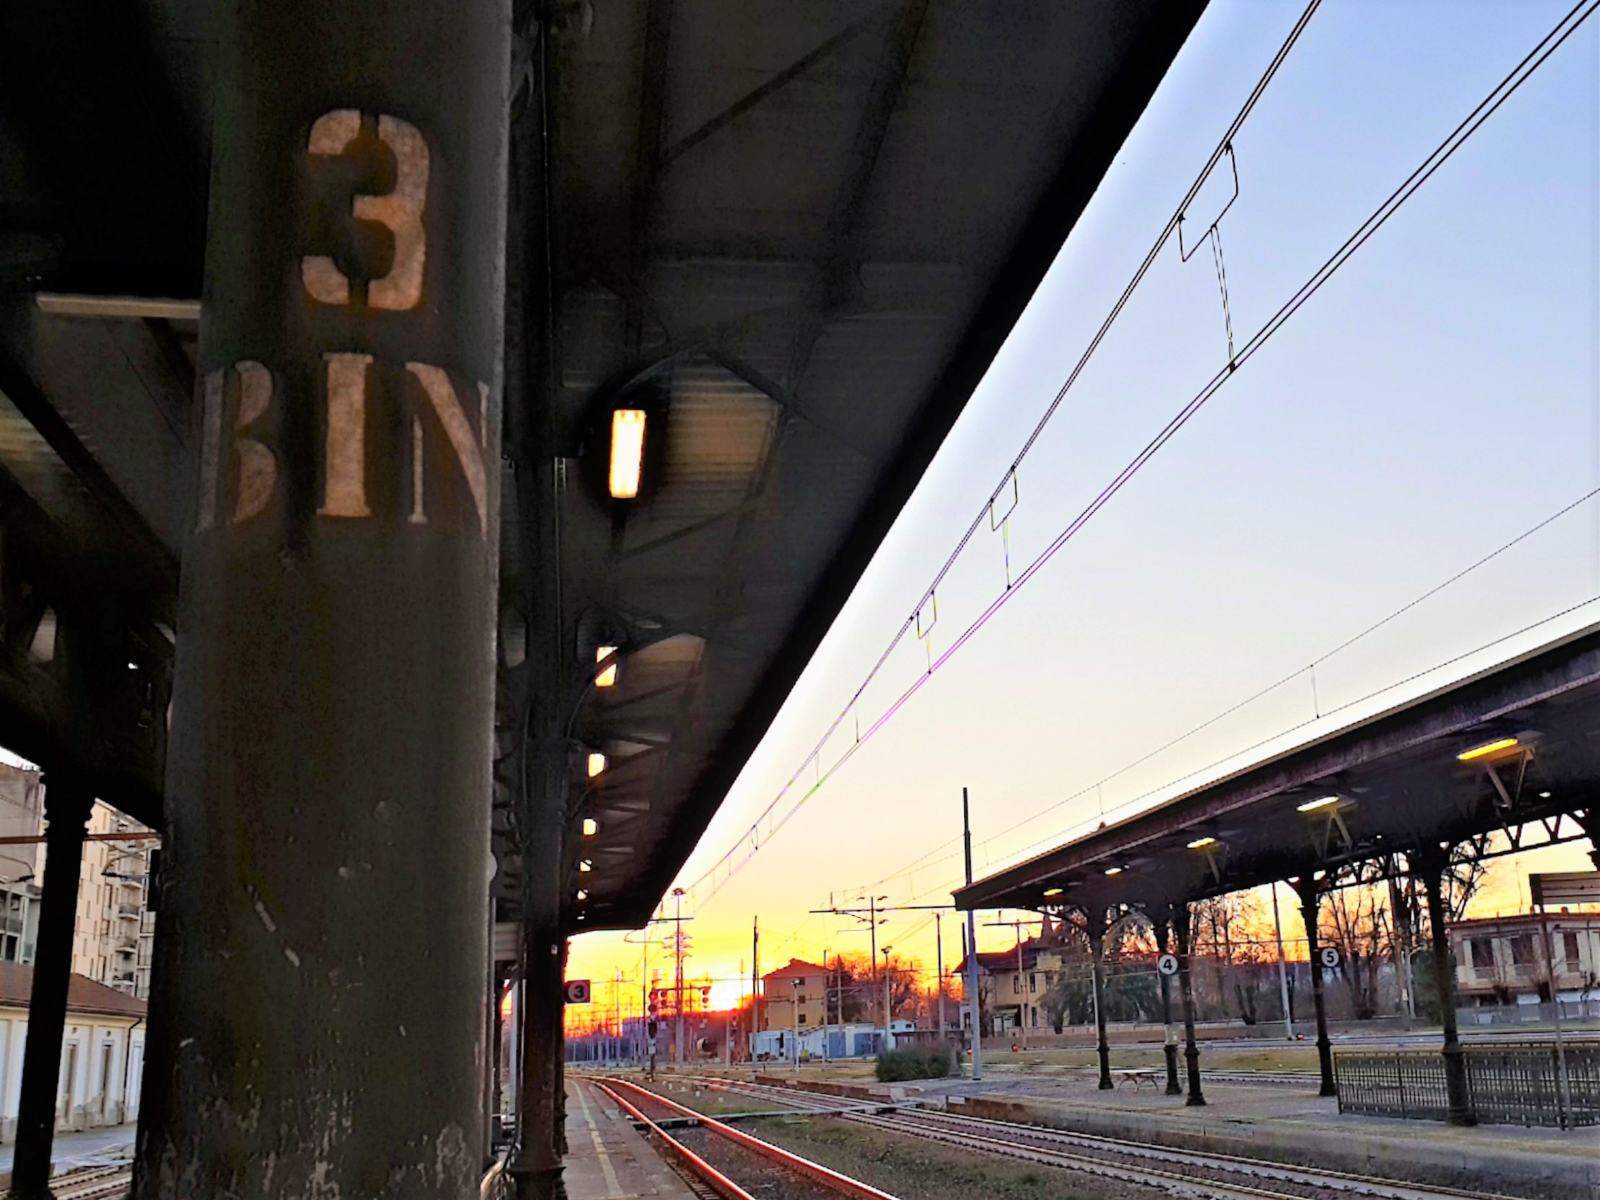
point(816, 1172)
point(698, 1166)
point(1389, 1189)
point(93, 1183)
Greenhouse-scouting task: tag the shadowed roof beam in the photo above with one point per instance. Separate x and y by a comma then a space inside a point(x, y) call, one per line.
point(779, 81)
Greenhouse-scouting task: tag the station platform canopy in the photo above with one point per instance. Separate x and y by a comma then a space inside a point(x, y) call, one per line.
point(1505, 759)
point(794, 235)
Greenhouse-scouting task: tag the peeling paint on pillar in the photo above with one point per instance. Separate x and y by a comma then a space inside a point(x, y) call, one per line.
point(317, 1030)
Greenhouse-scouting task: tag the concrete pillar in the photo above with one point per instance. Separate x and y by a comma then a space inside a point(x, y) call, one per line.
point(1310, 897)
point(1191, 1052)
point(1096, 927)
point(329, 766)
point(1169, 1047)
point(1458, 1101)
point(66, 807)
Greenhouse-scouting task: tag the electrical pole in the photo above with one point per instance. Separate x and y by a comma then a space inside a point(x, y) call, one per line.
point(1022, 992)
point(827, 997)
point(1283, 968)
point(972, 949)
point(888, 1037)
point(677, 945)
point(938, 954)
point(872, 928)
point(755, 982)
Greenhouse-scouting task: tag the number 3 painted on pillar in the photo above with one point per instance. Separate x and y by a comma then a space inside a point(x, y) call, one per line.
point(400, 211)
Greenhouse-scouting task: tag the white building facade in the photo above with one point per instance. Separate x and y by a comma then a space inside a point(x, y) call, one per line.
point(1527, 957)
point(102, 1053)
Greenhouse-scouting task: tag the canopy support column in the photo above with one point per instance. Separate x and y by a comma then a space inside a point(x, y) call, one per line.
point(541, 1114)
point(1095, 919)
point(328, 772)
point(1310, 898)
point(1458, 1101)
point(1169, 1046)
point(66, 805)
point(1191, 1051)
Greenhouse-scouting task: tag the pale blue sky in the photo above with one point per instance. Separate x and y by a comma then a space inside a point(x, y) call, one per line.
point(1437, 398)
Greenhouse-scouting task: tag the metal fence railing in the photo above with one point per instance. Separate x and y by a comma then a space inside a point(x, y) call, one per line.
point(1508, 1083)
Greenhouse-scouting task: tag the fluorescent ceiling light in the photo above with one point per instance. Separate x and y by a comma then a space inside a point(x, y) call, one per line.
point(597, 763)
point(1113, 870)
point(590, 827)
point(608, 674)
point(627, 452)
point(1201, 843)
point(1313, 805)
point(1487, 748)
point(1052, 891)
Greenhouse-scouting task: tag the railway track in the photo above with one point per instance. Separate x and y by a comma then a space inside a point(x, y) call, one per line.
point(727, 1156)
point(1182, 1172)
point(94, 1183)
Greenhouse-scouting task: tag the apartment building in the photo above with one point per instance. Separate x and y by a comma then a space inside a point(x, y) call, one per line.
point(114, 932)
point(794, 996)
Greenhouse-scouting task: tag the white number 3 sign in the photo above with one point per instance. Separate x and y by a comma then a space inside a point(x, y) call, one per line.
point(400, 210)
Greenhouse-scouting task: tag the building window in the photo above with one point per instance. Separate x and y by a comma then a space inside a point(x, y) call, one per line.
point(1480, 950)
point(1522, 949)
point(801, 998)
point(1569, 951)
point(802, 1018)
point(1033, 982)
point(1016, 985)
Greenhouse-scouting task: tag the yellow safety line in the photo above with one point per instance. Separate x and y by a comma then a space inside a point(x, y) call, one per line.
point(606, 1169)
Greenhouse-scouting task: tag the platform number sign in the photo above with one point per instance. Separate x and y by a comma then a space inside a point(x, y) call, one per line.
point(1329, 957)
point(1167, 964)
point(577, 991)
point(449, 411)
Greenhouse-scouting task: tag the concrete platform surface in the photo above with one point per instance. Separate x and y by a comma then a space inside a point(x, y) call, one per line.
point(607, 1159)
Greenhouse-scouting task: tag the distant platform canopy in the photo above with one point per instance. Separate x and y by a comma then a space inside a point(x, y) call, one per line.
point(1512, 750)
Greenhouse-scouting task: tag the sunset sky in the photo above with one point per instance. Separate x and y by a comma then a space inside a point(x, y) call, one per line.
point(1438, 398)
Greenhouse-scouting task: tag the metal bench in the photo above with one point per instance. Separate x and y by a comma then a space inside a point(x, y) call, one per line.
point(1138, 1076)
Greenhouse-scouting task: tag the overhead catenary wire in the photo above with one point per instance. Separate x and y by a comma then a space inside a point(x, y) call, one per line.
point(930, 858)
point(1173, 223)
point(1380, 216)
